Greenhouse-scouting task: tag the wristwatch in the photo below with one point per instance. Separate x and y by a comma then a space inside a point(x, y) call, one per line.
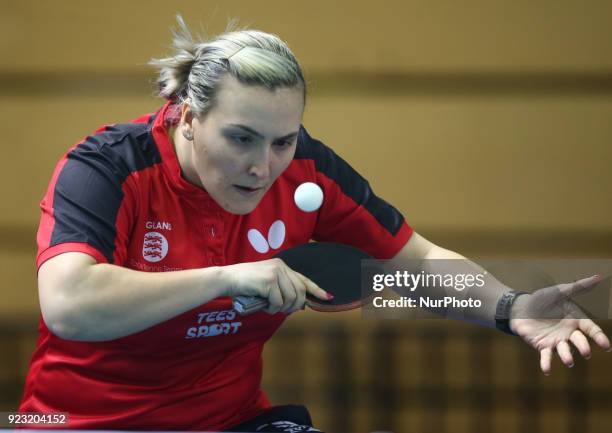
point(502, 312)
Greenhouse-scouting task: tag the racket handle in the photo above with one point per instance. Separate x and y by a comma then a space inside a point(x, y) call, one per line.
point(246, 305)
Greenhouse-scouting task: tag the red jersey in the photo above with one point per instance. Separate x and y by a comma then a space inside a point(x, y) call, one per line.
point(119, 196)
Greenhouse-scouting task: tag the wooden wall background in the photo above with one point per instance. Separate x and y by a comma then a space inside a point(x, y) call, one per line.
point(487, 123)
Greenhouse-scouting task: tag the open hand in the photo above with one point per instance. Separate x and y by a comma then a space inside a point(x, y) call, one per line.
point(549, 321)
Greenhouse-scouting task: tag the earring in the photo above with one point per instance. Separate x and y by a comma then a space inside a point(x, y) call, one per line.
point(188, 135)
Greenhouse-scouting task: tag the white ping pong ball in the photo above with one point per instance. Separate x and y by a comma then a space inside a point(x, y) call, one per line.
point(308, 196)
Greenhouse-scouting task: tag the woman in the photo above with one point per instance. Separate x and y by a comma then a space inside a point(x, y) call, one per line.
point(148, 230)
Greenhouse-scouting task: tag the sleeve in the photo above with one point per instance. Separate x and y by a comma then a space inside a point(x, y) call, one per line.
point(88, 206)
point(351, 213)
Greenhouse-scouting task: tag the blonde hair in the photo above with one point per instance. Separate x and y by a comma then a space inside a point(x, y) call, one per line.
point(195, 70)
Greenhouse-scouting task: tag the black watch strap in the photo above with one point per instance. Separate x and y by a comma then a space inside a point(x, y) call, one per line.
point(502, 312)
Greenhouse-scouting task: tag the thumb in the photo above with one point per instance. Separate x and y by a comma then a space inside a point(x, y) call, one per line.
point(580, 286)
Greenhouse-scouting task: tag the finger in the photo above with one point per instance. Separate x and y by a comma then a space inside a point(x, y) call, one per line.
point(300, 290)
point(565, 353)
point(275, 299)
point(545, 360)
point(581, 343)
point(288, 290)
point(595, 332)
point(315, 290)
point(579, 286)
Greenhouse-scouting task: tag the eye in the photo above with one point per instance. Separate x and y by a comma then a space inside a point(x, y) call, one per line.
point(242, 139)
point(284, 143)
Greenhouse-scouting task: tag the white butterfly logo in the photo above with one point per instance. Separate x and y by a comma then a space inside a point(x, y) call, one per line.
point(276, 237)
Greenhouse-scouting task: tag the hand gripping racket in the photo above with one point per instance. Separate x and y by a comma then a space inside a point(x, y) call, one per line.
point(336, 268)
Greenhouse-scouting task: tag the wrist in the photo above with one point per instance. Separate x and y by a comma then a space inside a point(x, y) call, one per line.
point(504, 309)
point(517, 311)
point(218, 279)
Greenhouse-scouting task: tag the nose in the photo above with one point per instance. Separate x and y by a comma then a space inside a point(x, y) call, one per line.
point(260, 164)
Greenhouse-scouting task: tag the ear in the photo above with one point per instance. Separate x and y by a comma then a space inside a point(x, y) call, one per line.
point(186, 124)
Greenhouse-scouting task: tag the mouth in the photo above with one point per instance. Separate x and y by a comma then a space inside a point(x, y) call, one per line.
point(247, 190)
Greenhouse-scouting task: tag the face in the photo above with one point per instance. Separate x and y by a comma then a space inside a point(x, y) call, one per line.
point(242, 144)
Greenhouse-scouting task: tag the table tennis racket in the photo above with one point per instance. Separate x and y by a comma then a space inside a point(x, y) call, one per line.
point(336, 268)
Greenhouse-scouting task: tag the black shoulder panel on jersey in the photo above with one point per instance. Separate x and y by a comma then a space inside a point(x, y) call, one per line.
point(350, 182)
point(88, 192)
